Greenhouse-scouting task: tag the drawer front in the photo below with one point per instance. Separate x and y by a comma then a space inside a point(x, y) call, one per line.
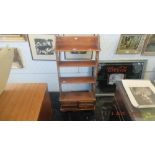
point(76, 106)
point(69, 104)
point(86, 105)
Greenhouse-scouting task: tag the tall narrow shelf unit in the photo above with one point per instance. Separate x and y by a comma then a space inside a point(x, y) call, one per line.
point(77, 100)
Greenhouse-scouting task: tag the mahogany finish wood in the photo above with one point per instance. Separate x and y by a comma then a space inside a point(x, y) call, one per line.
point(77, 43)
point(25, 102)
point(77, 107)
point(77, 63)
point(75, 101)
point(77, 96)
point(65, 80)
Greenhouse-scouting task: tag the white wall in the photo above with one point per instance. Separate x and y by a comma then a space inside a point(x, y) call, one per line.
point(46, 71)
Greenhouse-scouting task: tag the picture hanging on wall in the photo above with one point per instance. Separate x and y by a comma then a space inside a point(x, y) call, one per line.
point(74, 55)
point(13, 37)
point(149, 45)
point(42, 46)
point(130, 44)
point(17, 58)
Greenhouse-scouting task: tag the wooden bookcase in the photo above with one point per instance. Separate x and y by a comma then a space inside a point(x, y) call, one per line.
point(77, 100)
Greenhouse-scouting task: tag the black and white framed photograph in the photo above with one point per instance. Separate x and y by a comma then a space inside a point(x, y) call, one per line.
point(42, 46)
point(143, 95)
point(140, 92)
point(78, 55)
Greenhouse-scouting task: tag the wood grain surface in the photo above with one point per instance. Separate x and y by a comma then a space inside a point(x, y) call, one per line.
point(23, 102)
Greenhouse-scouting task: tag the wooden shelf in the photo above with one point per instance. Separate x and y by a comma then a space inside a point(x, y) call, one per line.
point(79, 100)
point(82, 49)
point(65, 109)
point(66, 80)
point(77, 43)
point(77, 63)
point(77, 96)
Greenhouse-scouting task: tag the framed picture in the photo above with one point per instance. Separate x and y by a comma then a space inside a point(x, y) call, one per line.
point(129, 44)
point(13, 37)
point(149, 45)
point(112, 71)
point(17, 58)
point(74, 55)
point(140, 92)
point(42, 46)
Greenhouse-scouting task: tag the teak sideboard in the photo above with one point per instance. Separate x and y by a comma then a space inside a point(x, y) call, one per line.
point(25, 102)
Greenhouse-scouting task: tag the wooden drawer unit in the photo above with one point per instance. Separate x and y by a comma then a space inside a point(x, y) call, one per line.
point(77, 106)
point(87, 105)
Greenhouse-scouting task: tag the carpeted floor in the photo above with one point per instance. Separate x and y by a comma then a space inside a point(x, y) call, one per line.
point(104, 106)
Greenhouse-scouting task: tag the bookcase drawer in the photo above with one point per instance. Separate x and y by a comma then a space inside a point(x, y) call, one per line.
point(76, 106)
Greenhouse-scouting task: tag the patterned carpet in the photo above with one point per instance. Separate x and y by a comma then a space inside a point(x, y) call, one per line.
point(104, 106)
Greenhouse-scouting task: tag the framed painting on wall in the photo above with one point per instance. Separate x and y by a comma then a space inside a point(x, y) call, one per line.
point(74, 55)
point(129, 44)
point(42, 46)
point(149, 45)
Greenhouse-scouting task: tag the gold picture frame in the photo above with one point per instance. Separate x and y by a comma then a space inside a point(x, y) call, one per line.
point(129, 44)
point(149, 45)
point(13, 37)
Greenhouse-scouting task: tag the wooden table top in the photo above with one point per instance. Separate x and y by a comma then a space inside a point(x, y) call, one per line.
point(22, 101)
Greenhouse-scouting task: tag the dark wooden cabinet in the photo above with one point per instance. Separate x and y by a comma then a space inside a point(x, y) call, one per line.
point(77, 100)
point(124, 109)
